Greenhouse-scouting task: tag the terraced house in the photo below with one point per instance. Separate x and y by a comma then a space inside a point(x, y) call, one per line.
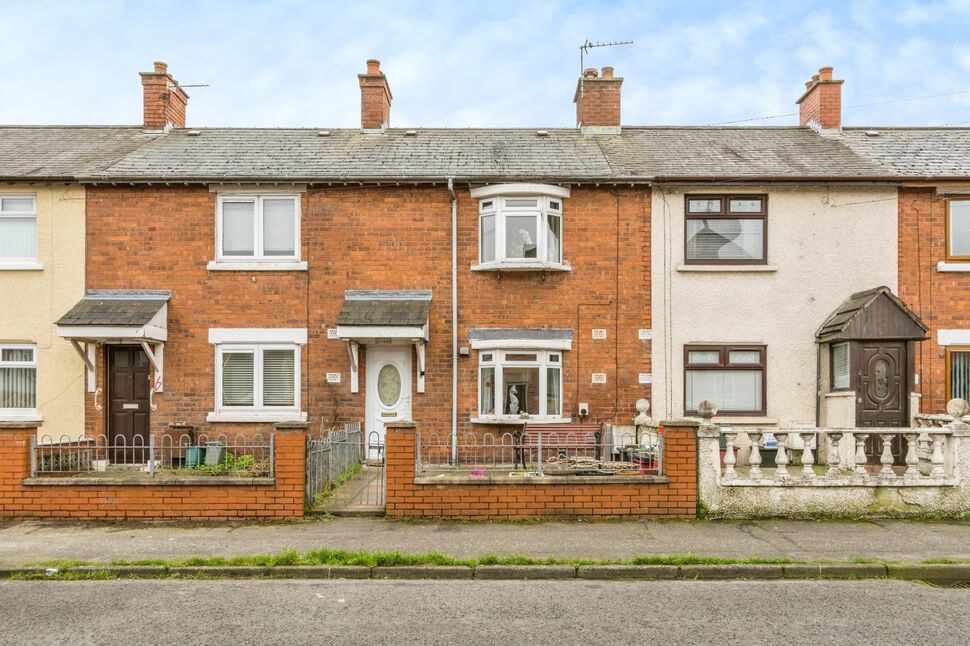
point(480, 279)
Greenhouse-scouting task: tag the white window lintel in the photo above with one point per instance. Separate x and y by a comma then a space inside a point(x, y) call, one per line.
point(520, 189)
point(296, 336)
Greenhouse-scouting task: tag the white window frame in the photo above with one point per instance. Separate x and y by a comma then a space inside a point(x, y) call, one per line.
point(259, 256)
point(21, 413)
point(258, 411)
point(497, 359)
point(22, 262)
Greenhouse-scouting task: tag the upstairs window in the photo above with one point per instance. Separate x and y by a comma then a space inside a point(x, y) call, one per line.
point(18, 229)
point(18, 379)
point(723, 229)
point(516, 382)
point(958, 230)
point(520, 228)
point(258, 227)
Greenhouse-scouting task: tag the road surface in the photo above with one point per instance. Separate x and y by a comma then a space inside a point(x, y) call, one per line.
point(481, 612)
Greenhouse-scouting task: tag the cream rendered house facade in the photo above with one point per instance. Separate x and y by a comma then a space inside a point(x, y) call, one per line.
point(41, 276)
point(732, 326)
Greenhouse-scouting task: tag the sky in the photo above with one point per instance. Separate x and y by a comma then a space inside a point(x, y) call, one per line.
point(294, 63)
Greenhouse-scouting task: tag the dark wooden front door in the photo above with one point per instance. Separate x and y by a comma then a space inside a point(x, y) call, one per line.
point(882, 391)
point(129, 381)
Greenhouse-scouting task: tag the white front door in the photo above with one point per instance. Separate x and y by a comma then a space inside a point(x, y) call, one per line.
point(388, 393)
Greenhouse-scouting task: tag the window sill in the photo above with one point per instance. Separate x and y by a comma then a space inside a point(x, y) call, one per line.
point(725, 269)
point(261, 416)
point(284, 265)
point(521, 266)
point(516, 420)
point(21, 417)
point(21, 266)
point(954, 266)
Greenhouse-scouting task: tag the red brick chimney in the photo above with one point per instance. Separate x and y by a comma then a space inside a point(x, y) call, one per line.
point(375, 98)
point(165, 101)
point(597, 101)
point(821, 105)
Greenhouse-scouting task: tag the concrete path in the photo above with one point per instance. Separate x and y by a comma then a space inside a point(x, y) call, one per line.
point(30, 542)
point(362, 495)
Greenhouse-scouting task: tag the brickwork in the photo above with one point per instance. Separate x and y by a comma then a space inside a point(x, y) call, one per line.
point(941, 299)
point(164, 100)
point(598, 99)
point(821, 104)
point(19, 500)
point(378, 238)
point(375, 98)
point(613, 498)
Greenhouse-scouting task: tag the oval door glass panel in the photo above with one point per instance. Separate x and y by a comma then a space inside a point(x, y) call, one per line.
point(880, 370)
point(389, 385)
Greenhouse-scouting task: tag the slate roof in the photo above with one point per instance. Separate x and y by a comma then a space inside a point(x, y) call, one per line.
point(385, 308)
point(116, 308)
point(63, 152)
point(853, 306)
point(639, 153)
point(924, 152)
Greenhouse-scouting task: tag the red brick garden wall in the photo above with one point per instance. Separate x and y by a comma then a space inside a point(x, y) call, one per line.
point(676, 498)
point(20, 500)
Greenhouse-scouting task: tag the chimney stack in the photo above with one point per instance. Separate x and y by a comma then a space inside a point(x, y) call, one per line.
point(165, 101)
point(820, 106)
point(375, 98)
point(597, 102)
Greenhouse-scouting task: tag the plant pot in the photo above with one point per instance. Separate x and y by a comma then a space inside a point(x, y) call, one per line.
point(194, 456)
point(768, 457)
point(215, 453)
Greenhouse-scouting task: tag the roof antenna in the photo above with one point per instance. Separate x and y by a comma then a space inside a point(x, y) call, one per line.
point(588, 45)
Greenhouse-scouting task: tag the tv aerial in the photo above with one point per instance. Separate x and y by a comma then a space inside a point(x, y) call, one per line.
point(588, 45)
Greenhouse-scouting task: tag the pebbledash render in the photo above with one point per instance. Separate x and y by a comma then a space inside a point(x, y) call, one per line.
point(482, 279)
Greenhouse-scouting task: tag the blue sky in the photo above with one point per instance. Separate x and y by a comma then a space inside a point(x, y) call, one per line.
point(294, 63)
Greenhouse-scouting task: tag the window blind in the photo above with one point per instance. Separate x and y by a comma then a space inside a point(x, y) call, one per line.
point(960, 375)
point(18, 237)
point(278, 378)
point(840, 366)
point(238, 383)
point(731, 390)
point(279, 227)
point(237, 229)
point(725, 239)
point(18, 388)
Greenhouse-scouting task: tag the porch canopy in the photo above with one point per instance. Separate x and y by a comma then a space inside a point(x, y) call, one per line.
point(873, 314)
point(118, 316)
point(384, 316)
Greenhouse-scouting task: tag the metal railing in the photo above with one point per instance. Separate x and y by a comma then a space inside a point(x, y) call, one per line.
point(191, 454)
point(544, 454)
point(329, 457)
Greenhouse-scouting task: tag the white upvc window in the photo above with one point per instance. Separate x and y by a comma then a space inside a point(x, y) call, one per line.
point(18, 380)
point(18, 229)
point(264, 228)
point(257, 378)
point(520, 229)
point(513, 383)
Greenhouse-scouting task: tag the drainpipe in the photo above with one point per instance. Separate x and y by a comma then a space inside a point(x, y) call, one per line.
point(454, 321)
point(818, 384)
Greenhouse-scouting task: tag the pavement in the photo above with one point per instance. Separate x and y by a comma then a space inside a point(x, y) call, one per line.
point(884, 612)
point(23, 543)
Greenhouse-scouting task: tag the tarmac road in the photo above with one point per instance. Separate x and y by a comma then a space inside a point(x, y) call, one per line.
point(481, 612)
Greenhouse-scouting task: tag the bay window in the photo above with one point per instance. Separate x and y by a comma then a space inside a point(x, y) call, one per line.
point(18, 229)
point(18, 380)
point(513, 383)
point(733, 377)
point(520, 226)
point(258, 227)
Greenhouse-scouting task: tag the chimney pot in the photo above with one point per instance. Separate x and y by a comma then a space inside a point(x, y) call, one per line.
point(820, 106)
point(373, 66)
point(590, 72)
point(161, 67)
point(607, 73)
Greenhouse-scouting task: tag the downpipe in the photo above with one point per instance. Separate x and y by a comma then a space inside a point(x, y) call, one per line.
point(454, 321)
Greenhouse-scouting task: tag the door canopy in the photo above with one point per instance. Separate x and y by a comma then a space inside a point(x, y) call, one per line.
point(875, 314)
